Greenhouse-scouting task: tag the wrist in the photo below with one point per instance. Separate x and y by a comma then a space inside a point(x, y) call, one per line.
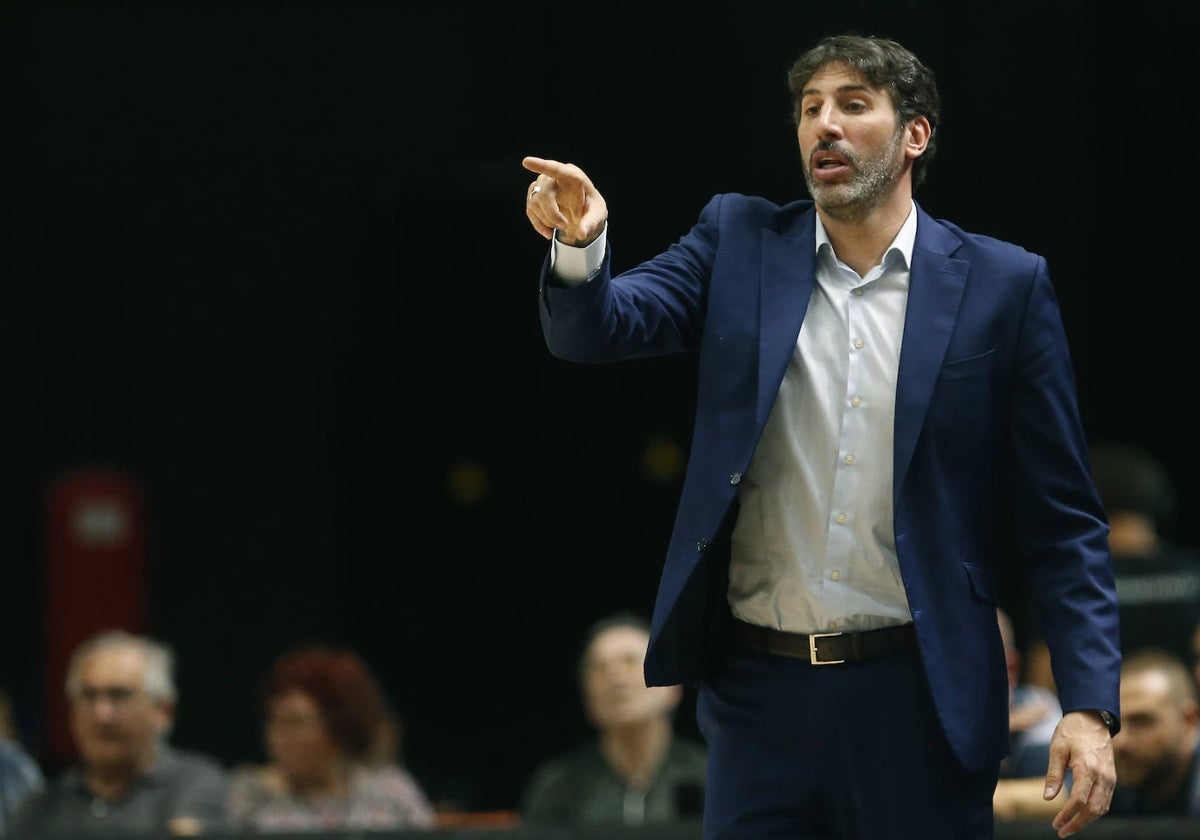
point(580, 242)
point(1111, 722)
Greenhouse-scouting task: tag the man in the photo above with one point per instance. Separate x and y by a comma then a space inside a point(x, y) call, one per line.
point(122, 702)
point(20, 775)
point(637, 771)
point(882, 397)
point(1033, 714)
point(1158, 578)
point(20, 778)
point(1157, 760)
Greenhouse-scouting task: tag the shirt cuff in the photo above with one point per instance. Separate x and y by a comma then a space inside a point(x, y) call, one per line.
point(573, 265)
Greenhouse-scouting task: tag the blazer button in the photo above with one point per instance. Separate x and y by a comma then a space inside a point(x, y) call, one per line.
point(702, 545)
point(735, 479)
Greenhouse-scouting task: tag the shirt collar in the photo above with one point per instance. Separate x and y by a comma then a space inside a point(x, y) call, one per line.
point(157, 773)
point(902, 245)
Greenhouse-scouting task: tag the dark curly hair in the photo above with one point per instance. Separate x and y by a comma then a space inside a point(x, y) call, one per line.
point(883, 63)
point(350, 700)
point(623, 618)
point(1131, 479)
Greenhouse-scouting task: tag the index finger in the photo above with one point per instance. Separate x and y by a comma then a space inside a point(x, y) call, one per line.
point(545, 166)
point(1072, 816)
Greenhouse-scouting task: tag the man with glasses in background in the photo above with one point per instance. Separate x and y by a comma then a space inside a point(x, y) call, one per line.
point(122, 698)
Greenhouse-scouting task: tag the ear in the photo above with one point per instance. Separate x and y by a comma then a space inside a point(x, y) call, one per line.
point(1191, 713)
point(164, 716)
point(917, 133)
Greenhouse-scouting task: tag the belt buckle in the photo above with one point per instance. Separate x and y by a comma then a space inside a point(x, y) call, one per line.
point(812, 650)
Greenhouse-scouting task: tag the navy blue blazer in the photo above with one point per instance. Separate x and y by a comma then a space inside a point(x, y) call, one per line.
point(987, 434)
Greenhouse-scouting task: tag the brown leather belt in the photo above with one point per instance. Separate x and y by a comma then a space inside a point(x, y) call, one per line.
point(826, 648)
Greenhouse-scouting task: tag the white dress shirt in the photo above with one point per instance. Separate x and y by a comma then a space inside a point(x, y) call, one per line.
point(814, 548)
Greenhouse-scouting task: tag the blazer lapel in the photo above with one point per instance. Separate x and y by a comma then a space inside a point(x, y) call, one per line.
point(936, 284)
point(788, 275)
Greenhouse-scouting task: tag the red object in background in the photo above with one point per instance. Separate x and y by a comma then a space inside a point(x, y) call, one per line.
point(94, 580)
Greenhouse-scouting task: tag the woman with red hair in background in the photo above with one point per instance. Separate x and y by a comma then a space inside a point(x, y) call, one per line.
point(325, 713)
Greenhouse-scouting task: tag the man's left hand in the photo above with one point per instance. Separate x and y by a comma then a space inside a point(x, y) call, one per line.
point(1081, 742)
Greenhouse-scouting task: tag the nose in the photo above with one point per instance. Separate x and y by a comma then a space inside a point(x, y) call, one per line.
point(101, 705)
point(828, 125)
point(104, 710)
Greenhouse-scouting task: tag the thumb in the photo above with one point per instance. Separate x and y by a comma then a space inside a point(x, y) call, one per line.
point(1054, 781)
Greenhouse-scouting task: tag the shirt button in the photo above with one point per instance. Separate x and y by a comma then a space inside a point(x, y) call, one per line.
point(702, 545)
point(849, 459)
point(841, 518)
point(858, 292)
point(856, 401)
point(735, 479)
point(835, 575)
point(858, 343)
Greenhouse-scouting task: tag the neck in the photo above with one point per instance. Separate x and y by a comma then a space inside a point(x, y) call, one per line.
point(637, 751)
point(322, 782)
point(112, 781)
point(860, 237)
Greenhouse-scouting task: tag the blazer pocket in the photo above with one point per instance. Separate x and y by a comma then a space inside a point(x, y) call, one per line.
point(967, 366)
point(983, 582)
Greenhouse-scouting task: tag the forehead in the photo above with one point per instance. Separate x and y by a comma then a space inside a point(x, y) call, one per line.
point(618, 641)
point(830, 79)
point(1149, 688)
point(293, 702)
point(114, 666)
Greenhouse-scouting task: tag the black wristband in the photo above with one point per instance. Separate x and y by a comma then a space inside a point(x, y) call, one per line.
point(1110, 720)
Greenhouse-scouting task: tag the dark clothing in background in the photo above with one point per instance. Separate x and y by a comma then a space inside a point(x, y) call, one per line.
point(1158, 599)
point(181, 784)
point(579, 788)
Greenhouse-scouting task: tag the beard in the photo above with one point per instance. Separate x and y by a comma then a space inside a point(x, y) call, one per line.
point(1146, 773)
point(871, 180)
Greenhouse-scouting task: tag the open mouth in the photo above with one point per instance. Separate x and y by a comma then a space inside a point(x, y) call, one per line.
point(827, 162)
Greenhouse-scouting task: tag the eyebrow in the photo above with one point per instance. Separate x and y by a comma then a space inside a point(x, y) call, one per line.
point(842, 89)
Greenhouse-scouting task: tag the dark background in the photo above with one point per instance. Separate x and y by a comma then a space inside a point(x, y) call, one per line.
point(270, 259)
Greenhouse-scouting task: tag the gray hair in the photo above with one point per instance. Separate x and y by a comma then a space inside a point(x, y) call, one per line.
point(158, 677)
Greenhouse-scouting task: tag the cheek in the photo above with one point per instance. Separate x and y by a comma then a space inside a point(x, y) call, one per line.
point(272, 739)
point(281, 742)
point(1157, 741)
point(1169, 737)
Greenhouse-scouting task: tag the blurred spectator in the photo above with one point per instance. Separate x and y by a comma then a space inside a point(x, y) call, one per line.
point(1158, 579)
point(638, 770)
point(122, 696)
point(1156, 749)
point(20, 778)
point(8, 726)
point(324, 733)
point(20, 774)
point(1033, 713)
point(1194, 656)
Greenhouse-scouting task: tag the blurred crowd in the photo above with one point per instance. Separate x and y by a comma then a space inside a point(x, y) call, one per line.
point(333, 751)
point(333, 742)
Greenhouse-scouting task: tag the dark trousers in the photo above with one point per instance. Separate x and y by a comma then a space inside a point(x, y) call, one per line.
point(833, 752)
